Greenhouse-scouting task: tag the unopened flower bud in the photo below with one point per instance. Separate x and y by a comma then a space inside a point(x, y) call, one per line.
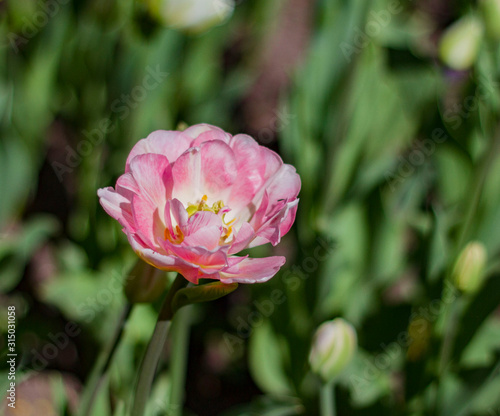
point(460, 43)
point(333, 347)
point(144, 283)
point(191, 15)
point(469, 268)
point(491, 17)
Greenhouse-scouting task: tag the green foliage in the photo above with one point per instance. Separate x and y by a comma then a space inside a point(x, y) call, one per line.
point(398, 157)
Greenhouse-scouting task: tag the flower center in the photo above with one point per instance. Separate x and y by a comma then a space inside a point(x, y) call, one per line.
point(217, 208)
point(203, 206)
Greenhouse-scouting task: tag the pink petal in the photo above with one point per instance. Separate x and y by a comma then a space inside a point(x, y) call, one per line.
point(206, 237)
point(206, 170)
point(277, 225)
point(243, 238)
point(252, 270)
point(163, 261)
point(152, 172)
point(175, 214)
point(204, 229)
point(170, 144)
point(284, 184)
point(147, 219)
point(205, 132)
point(203, 219)
point(117, 206)
point(213, 260)
point(128, 183)
point(251, 169)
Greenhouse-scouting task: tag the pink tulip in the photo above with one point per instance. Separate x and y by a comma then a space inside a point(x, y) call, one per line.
point(189, 201)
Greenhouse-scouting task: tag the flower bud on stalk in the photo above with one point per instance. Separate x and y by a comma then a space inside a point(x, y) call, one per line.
point(459, 45)
point(468, 272)
point(333, 348)
point(144, 283)
point(491, 17)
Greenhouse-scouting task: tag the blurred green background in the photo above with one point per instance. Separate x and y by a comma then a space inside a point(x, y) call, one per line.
point(395, 133)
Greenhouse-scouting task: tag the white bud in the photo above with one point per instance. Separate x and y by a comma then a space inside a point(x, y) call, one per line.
point(468, 272)
point(334, 345)
point(192, 15)
point(460, 43)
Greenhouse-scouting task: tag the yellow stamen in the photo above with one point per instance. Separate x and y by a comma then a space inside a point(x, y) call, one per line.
point(203, 206)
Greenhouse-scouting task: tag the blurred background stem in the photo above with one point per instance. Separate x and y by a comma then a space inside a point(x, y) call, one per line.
point(327, 400)
point(477, 186)
point(150, 361)
point(178, 360)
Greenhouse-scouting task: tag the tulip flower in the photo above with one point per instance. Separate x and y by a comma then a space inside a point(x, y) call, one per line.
point(190, 201)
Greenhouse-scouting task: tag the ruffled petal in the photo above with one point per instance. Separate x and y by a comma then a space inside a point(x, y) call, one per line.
point(175, 215)
point(153, 175)
point(277, 225)
point(244, 236)
point(200, 133)
point(252, 270)
point(170, 144)
point(147, 219)
point(117, 206)
point(206, 170)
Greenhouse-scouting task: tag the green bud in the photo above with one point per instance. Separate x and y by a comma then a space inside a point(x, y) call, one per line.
point(468, 272)
point(460, 43)
point(491, 17)
point(144, 283)
point(334, 345)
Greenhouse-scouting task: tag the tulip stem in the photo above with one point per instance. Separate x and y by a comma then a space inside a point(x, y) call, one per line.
point(327, 400)
point(101, 367)
point(151, 357)
point(178, 361)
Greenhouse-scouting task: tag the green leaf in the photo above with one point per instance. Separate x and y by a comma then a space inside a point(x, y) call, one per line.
point(269, 406)
point(16, 251)
point(203, 293)
point(266, 361)
point(485, 303)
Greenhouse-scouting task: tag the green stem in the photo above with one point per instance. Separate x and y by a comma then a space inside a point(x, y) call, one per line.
point(101, 367)
point(155, 347)
point(476, 191)
point(327, 400)
point(450, 332)
point(477, 186)
point(178, 361)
